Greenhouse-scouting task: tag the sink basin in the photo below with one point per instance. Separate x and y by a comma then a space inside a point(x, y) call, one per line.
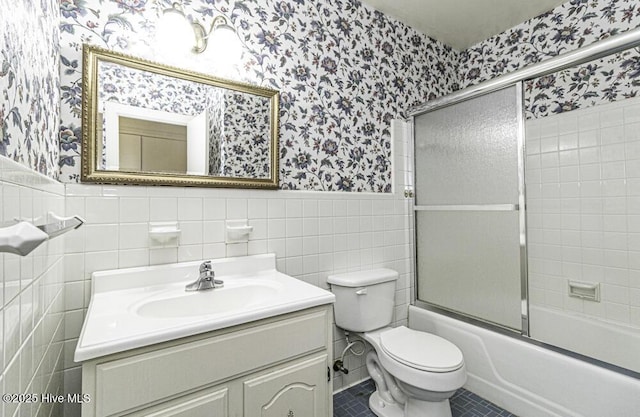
point(137, 307)
point(235, 295)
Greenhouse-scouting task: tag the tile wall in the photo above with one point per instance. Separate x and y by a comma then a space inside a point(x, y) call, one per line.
point(31, 295)
point(313, 234)
point(583, 194)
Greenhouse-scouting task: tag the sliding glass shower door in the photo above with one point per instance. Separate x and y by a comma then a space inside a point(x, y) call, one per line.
point(470, 239)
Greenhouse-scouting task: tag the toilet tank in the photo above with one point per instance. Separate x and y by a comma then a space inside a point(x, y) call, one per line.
point(364, 300)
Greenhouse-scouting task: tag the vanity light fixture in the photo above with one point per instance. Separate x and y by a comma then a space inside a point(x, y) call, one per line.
point(175, 30)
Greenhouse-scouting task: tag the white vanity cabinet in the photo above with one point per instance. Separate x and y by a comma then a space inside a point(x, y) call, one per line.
point(271, 367)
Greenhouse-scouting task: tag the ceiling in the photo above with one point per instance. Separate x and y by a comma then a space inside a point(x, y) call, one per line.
point(463, 23)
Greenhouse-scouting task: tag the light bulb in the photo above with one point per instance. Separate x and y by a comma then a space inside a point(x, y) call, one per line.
point(224, 45)
point(174, 33)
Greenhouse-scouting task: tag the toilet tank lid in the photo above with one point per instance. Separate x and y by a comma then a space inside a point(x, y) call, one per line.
point(363, 278)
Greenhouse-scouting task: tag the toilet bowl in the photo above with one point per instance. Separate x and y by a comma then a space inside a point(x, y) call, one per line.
point(415, 372)
point(426, 368)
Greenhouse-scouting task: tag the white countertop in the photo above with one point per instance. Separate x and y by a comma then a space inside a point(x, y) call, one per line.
point(118, 320)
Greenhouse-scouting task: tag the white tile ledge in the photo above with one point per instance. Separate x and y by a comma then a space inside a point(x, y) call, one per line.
point(18, 174)
point(93, 190)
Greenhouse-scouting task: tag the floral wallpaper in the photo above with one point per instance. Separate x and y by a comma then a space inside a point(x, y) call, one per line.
point(151, 91)
point(602, 81)
point(246, 138)
point(572, 25)
point(343, 70)
point(29, 82)
point(216, 127)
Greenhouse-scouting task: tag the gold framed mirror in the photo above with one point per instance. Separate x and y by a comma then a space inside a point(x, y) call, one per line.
point(147, 123)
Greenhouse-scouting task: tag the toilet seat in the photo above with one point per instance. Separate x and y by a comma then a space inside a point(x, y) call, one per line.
point(421, 350)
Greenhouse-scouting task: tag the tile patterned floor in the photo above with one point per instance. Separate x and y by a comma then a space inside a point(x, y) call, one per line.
point(354, 402)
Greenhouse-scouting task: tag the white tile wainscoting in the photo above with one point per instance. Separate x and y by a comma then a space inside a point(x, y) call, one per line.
point(32, 296)
point(312, 234)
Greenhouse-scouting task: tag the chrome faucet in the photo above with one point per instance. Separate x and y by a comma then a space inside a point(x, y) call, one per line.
point(206, 280)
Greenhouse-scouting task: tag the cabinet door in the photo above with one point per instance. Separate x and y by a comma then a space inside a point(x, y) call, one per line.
point(298, 390)
point(205, 403)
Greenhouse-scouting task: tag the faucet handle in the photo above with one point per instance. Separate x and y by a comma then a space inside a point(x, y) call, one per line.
point(205, 266)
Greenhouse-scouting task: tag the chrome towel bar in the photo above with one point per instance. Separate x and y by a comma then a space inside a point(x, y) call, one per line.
point(23, 237)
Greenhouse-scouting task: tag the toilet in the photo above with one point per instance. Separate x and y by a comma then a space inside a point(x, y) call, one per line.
point(415, 372)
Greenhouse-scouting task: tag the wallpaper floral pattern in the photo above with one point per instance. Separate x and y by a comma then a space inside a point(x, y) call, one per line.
point(216, 127)
point(152, 91)
point(572, 25)
point(246, 138)
point(29, 82)
point(343, 70)
point(602, 81)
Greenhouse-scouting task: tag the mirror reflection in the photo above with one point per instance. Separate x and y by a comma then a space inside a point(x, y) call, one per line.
point(150, 121)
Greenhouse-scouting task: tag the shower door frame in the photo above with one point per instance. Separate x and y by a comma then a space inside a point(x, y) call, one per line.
point(520, 208)
point(600, 49)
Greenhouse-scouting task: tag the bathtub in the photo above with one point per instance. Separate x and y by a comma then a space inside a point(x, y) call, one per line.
point(610, 342)
point(529, 380)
